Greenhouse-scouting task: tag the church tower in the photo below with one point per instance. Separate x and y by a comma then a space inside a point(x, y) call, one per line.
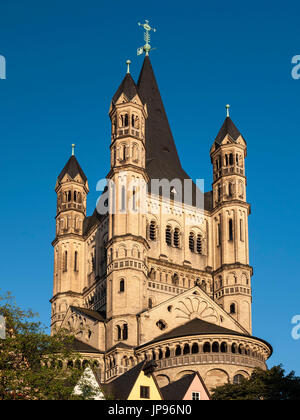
point(69, 253)
point(232, 274)
point(127, 245)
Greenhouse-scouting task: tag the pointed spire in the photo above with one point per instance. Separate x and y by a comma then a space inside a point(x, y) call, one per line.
point(228, 127)
point(162, 159)
point(72, 168)
point(128, 86)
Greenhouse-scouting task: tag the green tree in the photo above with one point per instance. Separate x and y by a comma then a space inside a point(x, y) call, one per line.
point(31, 361)
point(272, 385)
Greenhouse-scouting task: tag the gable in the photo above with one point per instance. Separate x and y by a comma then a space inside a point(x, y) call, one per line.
point(86, 326)
point(179, 310)
point(197, 386)
point(146, 381)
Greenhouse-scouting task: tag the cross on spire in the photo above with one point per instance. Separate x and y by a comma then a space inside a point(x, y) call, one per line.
point(147, 47)
point(73, 149)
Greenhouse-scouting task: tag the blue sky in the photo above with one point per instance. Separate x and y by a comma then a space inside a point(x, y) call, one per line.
point(65, 59)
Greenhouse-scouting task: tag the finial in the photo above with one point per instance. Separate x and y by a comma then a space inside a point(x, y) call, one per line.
point(73, 149)
point(228, 107)
point(128, 62)
point(147, 47)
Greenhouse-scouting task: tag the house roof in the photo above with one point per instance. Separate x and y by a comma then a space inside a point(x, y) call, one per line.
point(81, 347)
point(72, 168)
point(195, 327)
point(228, 127)
point(90, 313)
point(120, 388)
point(199, 327)
point(177, 390)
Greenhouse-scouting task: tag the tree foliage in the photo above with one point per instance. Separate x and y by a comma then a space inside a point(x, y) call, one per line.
point(31, 361)
point(272, 385)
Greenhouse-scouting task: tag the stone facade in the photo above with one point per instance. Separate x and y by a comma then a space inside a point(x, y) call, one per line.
point(172, 282)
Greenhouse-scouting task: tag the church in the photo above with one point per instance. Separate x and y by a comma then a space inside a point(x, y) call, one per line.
point(151, 277)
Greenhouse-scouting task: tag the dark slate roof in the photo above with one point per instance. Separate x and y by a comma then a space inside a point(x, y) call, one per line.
point(83, 347)
point(120, 345)
point(120, 388)
point(90, 313)
point(72, 168)
point(177, 390)
point(128, 87)
point(90, 221)
point(195, 327)
point(162, 160)
point(227, 128)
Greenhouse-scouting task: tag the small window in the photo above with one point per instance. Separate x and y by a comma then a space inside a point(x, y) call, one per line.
point(145, 392)
point(199, 245)
point(119, 332)
point(76, 261)
point(169, 236)
point(195, 396)
point(134, 199)
point(122, 286)
point(192, 242)
point(123, 199)
point(150, 304)
point(125, 332)
point(66, 261)
point(233, 309)
point(152, 232)
point(230, 229)
point(176, 238)
point(238, 379)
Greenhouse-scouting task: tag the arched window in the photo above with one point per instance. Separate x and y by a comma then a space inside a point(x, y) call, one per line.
point(192, 242)
point(76, 261)
point(238, 379)
point(186, 349)
point(125, 332)
point(123, 199)
point(215, 347)
point(230, 230)
point(234, 348)
point(75, 196)
point(231, 160)
point(124, 152)
point(176, 238)
point(134, 199)
point(66, 261)
point(152, 231)
point(160, 354)
point(178, 351)
point(206, 348)
point(168, 353)
point(219, 189)
point(122, 286)
point(195, 348)
point(230, 189)
point(69, 196)
point(199, 245)
point(169, 236)
point(224, 348)
point(175, 279)
point(150, 303)
point(233, 309)
point(119, 332)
